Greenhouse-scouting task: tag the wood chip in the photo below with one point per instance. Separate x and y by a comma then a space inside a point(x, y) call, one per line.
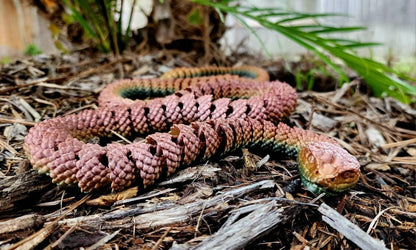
point(36, 116)
point(323, 123)
point(20, 223)
point(375, 137)
point(349, 230)
point(175, 214)
point(238, 232)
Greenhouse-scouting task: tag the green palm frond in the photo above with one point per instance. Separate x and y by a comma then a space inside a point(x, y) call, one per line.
point(97, 18)
point(381, 79)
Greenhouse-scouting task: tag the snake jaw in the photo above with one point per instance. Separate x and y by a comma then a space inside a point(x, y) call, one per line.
point(326, 167)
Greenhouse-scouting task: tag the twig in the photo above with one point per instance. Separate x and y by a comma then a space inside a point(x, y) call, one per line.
point(20, 223)
point(374, 221)
point(155, 247)
point(398, 144)
point(29, 109)
point(36, 238)
point(349, 230)
point(171, 215)
point(27, 84)
point(4, 144)
point(56, 243)
point(198, 223)
point(238, 233)
point(263, 161)
point(55, 109)
point(20, 121)
point(143, 197)
point(120, 136)
point(56, 86)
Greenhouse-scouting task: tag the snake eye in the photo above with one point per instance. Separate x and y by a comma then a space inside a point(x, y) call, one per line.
point(348, 174)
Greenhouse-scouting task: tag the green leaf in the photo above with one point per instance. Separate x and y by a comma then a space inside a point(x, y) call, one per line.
point(242, 21)
point(195, 18)
point(382, 79)
point(32, 50)
point(328, 29)
point(79, 18)
point(300, 16)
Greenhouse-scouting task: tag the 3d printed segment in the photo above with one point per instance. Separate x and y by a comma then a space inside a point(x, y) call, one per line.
point(224, 113)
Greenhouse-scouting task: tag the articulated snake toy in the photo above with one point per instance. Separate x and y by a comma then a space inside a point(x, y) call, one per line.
point(225, 109)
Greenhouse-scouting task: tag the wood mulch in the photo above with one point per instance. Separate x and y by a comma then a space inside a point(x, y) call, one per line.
point(247, 200)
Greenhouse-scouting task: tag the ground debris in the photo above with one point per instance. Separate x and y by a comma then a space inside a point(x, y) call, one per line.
point(349, 230)
point(14, 190)
point(238, 232)
point(208, 203)
point(176, 214)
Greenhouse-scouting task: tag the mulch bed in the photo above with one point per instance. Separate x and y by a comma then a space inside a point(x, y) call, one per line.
point(248, 199)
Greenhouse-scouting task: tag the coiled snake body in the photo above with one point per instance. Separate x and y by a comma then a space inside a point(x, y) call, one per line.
point(225, 112)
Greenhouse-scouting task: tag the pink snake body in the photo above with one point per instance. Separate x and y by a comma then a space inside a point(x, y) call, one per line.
point(224, 112)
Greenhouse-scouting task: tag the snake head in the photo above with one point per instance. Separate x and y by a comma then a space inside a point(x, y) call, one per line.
point(326, 167)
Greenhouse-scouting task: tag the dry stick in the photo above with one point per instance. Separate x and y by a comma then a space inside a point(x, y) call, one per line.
point(55, 108)
point(239, 233)
point(185, 212)
point(349, 230)
point(409, 215)
point(36, 238)
point(20, 121)
point(156, 246)
point(120, 136)
point(27, 84)
point(199, 221)
point(143, 197)
point(5, 145)
point(375, 220)
point(171, 215)
point(58, 86)
point(26, 106)
point(301, 239)
point(191, 174)
point(238, 230)
point(20, 223)
point(399, 143)
point(341, 92)
point(56, 243)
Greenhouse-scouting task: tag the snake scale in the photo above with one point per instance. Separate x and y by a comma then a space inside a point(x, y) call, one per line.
point(225, 109)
